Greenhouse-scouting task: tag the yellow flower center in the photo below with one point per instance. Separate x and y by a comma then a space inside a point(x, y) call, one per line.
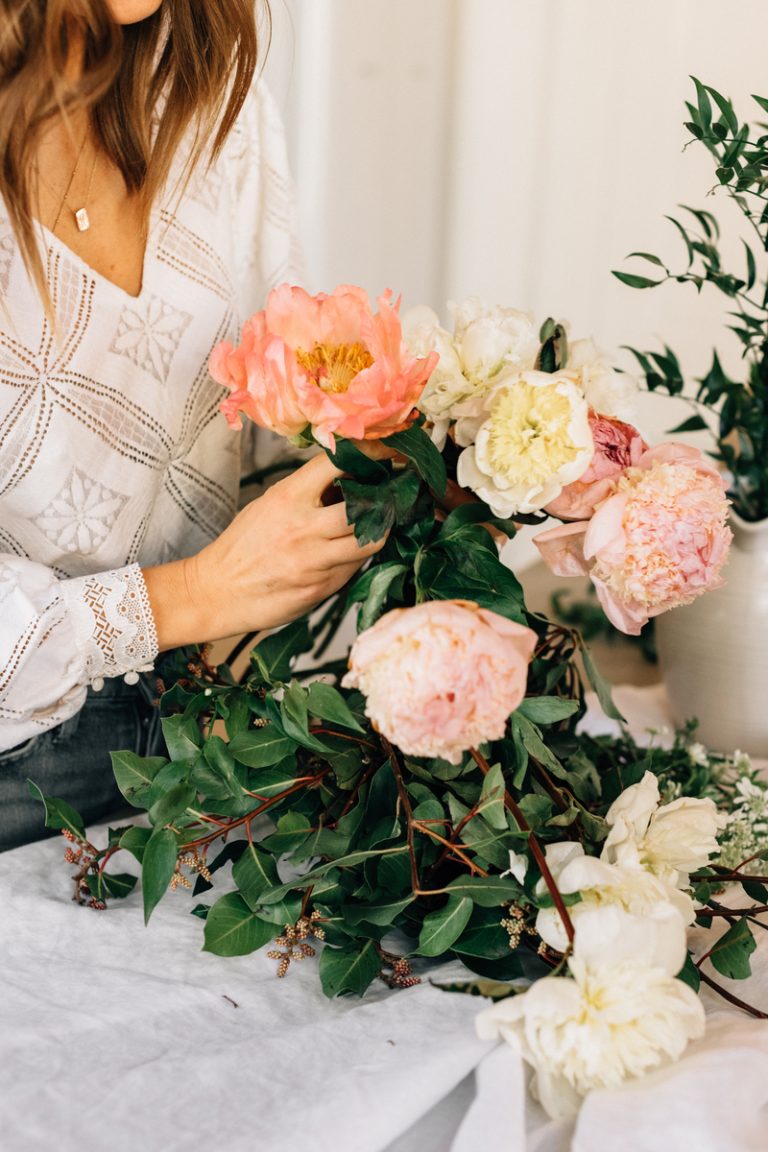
point(529, 438)
point(333, 367)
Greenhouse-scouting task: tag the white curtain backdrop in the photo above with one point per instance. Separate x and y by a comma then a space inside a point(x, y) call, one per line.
point(514, 149)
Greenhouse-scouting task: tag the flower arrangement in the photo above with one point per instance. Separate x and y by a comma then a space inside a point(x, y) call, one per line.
point(430, 797)
point(740, 407)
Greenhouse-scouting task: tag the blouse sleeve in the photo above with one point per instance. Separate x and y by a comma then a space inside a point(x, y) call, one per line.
point(58, 636)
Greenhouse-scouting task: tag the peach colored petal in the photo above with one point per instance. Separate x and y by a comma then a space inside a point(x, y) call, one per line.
point(562, 549)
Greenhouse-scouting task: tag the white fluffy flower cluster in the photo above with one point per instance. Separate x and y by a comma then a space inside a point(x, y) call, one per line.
point(622, 1012)
point(525, 433)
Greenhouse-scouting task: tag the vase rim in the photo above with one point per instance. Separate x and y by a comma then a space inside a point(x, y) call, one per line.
point(751, 526)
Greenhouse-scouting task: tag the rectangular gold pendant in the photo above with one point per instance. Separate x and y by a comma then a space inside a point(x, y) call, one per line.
point(82, 221)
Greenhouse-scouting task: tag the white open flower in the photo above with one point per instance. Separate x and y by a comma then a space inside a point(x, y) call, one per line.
point(485, 343)
point(669, 840)
point(633, 889)
point(621, 1014)
point(608, 392)
point(533, 439)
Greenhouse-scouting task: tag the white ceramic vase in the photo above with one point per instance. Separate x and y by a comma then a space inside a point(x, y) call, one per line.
point(714, 652)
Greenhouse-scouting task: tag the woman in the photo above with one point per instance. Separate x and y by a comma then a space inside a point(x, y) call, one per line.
point(144, 209)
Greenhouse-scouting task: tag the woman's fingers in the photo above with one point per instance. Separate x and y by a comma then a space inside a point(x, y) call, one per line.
point(313, 479)
point(332, 522)
point(346, 550)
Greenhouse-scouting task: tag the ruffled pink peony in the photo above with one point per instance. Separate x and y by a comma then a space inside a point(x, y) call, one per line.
point(327, 361)
point(441, 677)
point(617, 446)
point(658, 541)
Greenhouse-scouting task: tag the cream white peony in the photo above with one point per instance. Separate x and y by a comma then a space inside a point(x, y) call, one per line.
point(608, 392)
point(669, 840)
point(485, 343)
point(632, 889)
point(620, 1015)
point(532, 439)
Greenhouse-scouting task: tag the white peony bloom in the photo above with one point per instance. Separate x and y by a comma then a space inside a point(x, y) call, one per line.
point(534, 440)
point(485, 343)
point(599, 883)
point(608, 392)
point(669, 840)
point(621, 1015)
point(518, 866)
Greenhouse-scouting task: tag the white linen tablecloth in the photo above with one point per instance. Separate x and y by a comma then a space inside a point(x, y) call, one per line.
point(116, 1037)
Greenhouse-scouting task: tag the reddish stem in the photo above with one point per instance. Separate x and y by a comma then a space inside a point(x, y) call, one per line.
point(535, 847)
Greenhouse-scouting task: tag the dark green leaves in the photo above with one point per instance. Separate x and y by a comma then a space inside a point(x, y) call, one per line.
point(58, 814)
point(349, 969)
point(261, 747)
point(232, 929)
point(730, 955)
point(418, 447)
point(134, 775)
point(274, 655)
point(441, 928)
point(634, 281)
point(158, 865)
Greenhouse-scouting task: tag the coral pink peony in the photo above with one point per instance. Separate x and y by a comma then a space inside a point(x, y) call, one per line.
point(617, 446)
point(441, 677)
point(658, 541)
point(327, 361)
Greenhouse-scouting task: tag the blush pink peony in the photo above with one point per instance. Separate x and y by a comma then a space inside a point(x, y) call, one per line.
point(617, 446)
point(658, 541)
point(441, 677)
point(327, 361)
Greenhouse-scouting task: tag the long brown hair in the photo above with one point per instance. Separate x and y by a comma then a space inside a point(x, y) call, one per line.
point(189, 66)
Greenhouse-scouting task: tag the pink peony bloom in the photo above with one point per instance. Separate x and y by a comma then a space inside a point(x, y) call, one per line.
point(441, 677)
point(617, 446)
point(658, 541)
point(327, 361)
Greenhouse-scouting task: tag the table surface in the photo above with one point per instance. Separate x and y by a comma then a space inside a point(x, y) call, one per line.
point(116, 1036)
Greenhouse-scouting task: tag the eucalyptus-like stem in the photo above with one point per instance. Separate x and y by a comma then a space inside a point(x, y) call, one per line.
point(535, 847)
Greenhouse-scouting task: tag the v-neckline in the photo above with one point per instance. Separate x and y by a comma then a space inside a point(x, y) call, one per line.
point(52, 241)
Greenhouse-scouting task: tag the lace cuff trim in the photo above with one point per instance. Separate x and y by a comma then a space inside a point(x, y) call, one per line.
point(113, 624)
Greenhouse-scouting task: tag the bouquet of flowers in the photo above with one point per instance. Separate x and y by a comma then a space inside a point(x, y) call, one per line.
point(430, 797)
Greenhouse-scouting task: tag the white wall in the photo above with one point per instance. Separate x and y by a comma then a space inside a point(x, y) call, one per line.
point(517, 149)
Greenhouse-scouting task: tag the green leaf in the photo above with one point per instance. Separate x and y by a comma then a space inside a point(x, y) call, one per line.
point(468, 515)
point(158, 865)
point(547, 709)
point(134, 775)
point(636, 281)
point(692, 424)
point(492, 799)
point(349, 969)
point(726, 110)
point(274, 655)
point(485, 891)
point(354, 462)
point(119, 884)
point(253, 873)
point(58, 814)
point(762, 101)
point(689, 974)
point(730, 955)
point(172, 803)
point(135, 840)
point(647, 256)
point(329, 704)
point(294, 716)
point(261, 747)
point(704, 105)
point(292, 831)
point(416, 444)
point(382, 578)
point(232, 929)
point(380, 914)
point(182, 736)
point(599, 684)
point(444, 926)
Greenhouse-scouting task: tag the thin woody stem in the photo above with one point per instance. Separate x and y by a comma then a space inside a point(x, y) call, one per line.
point(449, 847)
point(731, 998)
point(535, 847)
point(407, 808)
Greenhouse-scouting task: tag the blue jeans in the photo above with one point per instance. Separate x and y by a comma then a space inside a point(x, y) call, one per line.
point(71, 762)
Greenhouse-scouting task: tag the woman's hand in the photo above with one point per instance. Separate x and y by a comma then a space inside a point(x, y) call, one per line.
point(282, 555)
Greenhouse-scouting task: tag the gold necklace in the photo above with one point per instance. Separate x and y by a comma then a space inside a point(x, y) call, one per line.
point(82, 219)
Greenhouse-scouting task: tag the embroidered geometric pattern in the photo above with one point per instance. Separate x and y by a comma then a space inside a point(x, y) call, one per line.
point(79, 517)
point(148, 333)
point(113, 621)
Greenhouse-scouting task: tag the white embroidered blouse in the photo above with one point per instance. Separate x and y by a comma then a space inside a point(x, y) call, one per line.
point(113, 454)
